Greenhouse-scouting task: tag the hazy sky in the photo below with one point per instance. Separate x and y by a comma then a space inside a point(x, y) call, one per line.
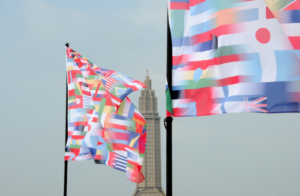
point(222, 155)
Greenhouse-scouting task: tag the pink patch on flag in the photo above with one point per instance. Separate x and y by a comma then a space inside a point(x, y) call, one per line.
point(293, 6)
point(179, 6)
point(295, 41)
point(263, 35)
point(269, 14)
point(195, 2)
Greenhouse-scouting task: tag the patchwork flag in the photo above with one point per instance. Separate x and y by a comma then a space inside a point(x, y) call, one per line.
point(103, 124)
point(233, 56)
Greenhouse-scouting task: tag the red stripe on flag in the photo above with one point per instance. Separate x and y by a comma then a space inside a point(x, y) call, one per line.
point(133, 87)
point(227, 29)
point(232, 80)
point(87, 93)
point(115, 98)
point(116, 126)
point(97, 90)
point(71, 92)
point(295, 41)
point(118, 146)
point(116, 135)
point(96, 119)
point(138, 118)
point(180, 59)
point(200, 38)
point(221, 30)
point(193, 65)
point(179, 6)
point(78, 137)
point(168, 113)
point(203, 99)
point(78, 61)
point(75, 151)
point(99, 157)
point(195, 2)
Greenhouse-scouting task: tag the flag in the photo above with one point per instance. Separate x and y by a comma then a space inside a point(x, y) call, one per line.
point(103, 124)
point(233, 56)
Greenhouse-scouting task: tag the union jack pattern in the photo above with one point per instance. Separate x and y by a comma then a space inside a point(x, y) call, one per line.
point(258, 105)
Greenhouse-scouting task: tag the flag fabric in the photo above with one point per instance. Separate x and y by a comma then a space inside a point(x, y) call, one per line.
point(233, 56)
point(103, 124)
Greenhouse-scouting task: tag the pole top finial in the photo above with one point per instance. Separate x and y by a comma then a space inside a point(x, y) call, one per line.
point(67, 44)
point(147, 72)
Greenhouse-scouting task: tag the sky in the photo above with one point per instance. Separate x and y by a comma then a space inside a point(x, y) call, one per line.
point(221, 155)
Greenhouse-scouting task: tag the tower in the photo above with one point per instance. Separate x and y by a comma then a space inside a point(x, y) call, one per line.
point(152, 161)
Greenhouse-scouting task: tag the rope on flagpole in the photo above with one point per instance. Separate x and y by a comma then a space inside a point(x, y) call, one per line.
point(66, 138)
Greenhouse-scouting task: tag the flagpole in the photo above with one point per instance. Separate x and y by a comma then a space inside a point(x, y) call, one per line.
point(168, 120)
point(169, 167)
point(66, 137)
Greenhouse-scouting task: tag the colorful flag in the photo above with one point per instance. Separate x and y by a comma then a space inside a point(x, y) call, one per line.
point(103, 124)
point(233, 56)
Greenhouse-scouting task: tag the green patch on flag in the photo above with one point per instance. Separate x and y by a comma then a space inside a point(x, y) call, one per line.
point(101, 107)
point(169, 102)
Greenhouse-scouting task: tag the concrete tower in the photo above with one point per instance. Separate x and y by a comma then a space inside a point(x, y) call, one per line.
point(152, 161)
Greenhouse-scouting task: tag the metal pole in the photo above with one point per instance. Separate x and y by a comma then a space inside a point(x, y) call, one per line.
point(66, 139)
point(168, 120)
point(168, 124)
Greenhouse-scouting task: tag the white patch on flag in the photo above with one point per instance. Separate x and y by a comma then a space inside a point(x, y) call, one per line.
point(291, 29)
point(278, 41)
point(246, 89)
point(217, 92)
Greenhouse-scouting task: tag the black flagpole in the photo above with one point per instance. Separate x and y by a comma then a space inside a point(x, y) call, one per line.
point(168, 126)
point(168, 120)
point(66, 138)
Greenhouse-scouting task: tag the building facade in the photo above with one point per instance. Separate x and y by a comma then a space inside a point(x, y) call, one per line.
point(152, 161)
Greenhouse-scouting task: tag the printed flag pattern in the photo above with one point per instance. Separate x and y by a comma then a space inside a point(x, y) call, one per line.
point(103, 124)
point(234, 56)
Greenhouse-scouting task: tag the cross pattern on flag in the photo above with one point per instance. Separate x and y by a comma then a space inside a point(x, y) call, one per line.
point(103, 123)
point(227, 52)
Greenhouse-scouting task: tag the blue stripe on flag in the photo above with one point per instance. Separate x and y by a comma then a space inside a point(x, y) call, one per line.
point(289, 16)
point(117, 141)
point(215, 6)
point(287, 63)
point(201, 47)
point(121, 163)
point(131, 111)
point(203, 27)
point(202, 7)
point(132, 156)
point(119, 117)
point(120, 168)
point(117, 130)
point(247, 15)
point(190, 109)
point(178, 42)
point(71, 104)
point(180, 1)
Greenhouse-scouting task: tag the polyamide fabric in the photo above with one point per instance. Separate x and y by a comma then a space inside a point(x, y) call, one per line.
point(103, 124)
point(234, 56)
